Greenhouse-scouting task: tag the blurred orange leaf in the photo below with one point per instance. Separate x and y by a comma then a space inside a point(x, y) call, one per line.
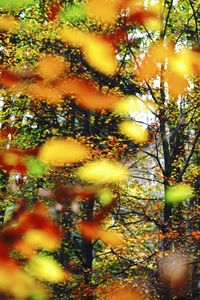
point(177, 83)
point(50, 67)
point(43, 92)
point(103, 10)
point(91, 230)
point(87, 94)
point(8, 79)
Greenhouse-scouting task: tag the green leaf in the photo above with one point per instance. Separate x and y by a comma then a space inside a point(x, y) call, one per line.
point(179, 193)
point(35, 167)
point(105, 196)
point(74, 12)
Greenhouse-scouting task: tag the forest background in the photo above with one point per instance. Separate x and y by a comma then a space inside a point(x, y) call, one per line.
point(99, 178)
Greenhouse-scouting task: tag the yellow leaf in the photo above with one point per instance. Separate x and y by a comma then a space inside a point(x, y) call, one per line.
point(73, 36)
point(46, 268)
point(41, 239)
point(102, 171)
point(99, 52)
point(129, 105)
point(105, 196)
point(17, 282)
point(180, 63)
point(60, 152)
point(179, 193)
point(8, 23)
point(134, 131)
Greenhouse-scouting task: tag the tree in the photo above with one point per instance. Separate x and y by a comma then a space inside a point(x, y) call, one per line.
point(60, 78)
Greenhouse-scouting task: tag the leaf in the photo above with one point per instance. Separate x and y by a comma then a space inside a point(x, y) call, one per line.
point(129, 105)
point(174, 269)
point(117, 292)
point(16, 282)
point(46, 268)
point(104, 11)
point(102, 171)
point(76, 11)
point(34, 167)
point(134, 131)
point(105, 196)
point(6, 131)
point(13, 4)
point(87, 94)
point(43, 92)
point(99, 52)
point(147, 69)
point(9, 79)
point(50, 67)
point(179, 193)
point(111, 238)
point(8, 24)
point(52, 10)
point(62, 151)
point(177, 83)
point(12, 160)
point(92, 231)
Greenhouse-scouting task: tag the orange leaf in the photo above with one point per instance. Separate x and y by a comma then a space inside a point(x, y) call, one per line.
point(87, 95)
point(177, 83)
point(50, 67)
point(91, 230)
point(42, 92)
point(8, 79)
point(103, 10)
